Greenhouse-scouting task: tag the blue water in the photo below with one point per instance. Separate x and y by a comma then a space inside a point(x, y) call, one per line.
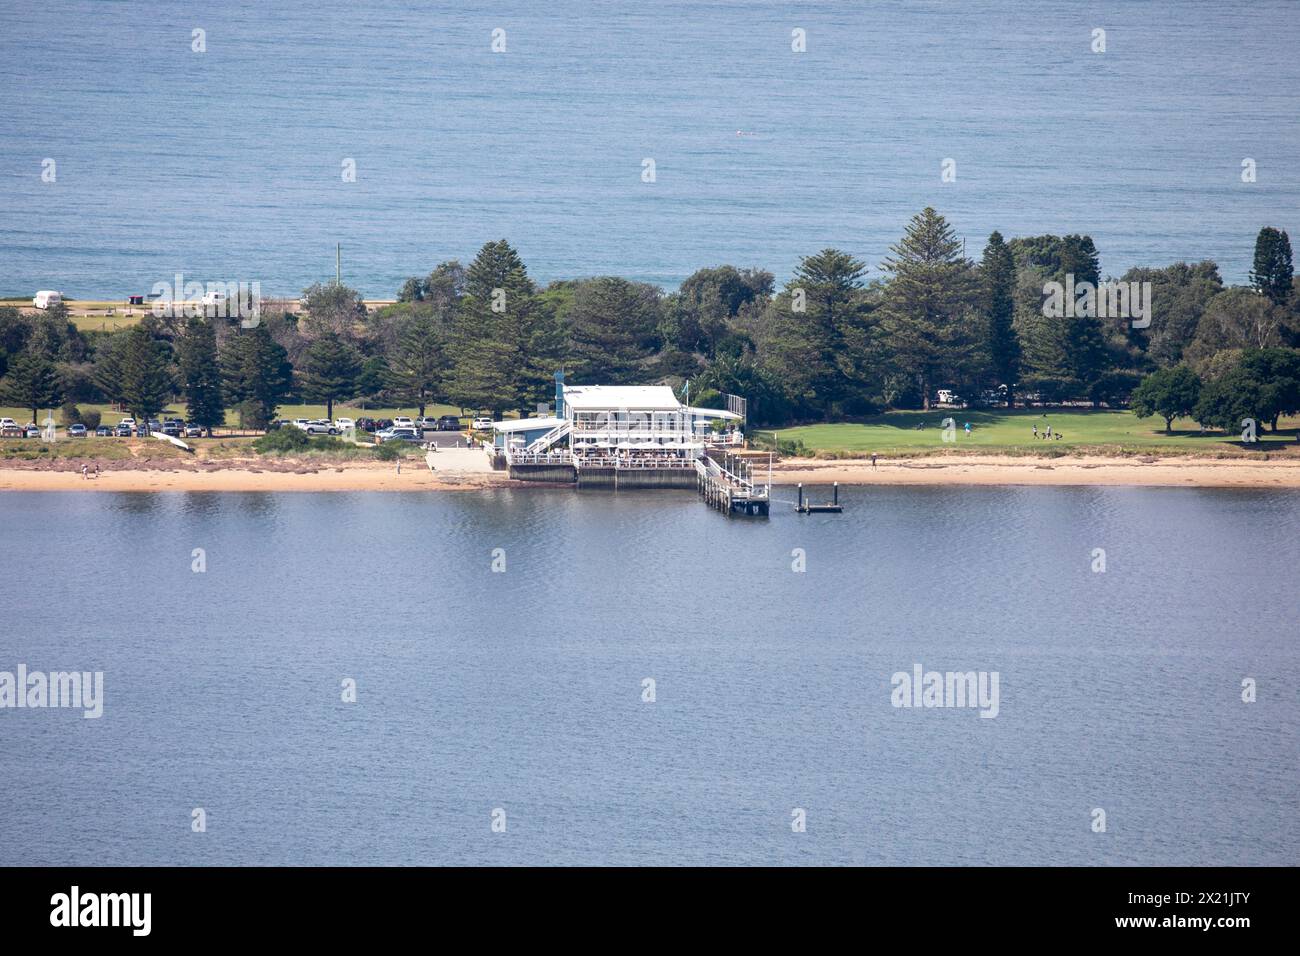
point(226, 165)
point(522, 690)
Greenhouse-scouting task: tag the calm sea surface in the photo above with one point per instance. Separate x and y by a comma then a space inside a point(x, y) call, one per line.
point(522, 690)
point(227, 165)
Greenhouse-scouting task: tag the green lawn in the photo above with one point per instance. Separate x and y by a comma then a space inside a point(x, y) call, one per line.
point(1002, 432)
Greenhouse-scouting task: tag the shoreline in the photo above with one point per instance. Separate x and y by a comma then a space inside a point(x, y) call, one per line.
point(301, 475)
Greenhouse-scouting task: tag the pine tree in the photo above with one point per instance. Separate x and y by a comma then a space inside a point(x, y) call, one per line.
point(255, 374)
point(929, 303)
point(330, 371)
point(146, 380)
point(613, 324)
point(998, 285)
point(499, 335)
point(200, 375)
point(417, 365)
point(817, 336)
point(30, 383)
point(1272, 273)
point(107, 370)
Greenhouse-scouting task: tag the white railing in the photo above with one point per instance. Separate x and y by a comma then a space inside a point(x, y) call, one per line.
point(558, 457)
point(551, 437)
point(741, 480)
point(634, 463)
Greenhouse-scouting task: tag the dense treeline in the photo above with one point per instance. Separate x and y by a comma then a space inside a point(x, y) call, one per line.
point(835, 341)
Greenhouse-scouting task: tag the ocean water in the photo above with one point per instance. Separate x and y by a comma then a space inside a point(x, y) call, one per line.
point(522, 690)
point(227, 165)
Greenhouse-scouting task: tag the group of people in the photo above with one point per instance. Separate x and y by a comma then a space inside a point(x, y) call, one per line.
point(85, 471)
point(1046, 433)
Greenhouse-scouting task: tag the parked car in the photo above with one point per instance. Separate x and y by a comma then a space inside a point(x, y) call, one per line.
point(104, 431)
point(320, 426)
point(343, 424)
point(77, 431)
point(401, 421)
point(366, 424)
point(398, 434)
point(193, 431)
point(10, 430)
point(151, 426)
point(124, 429)
point(46, 299)
point(448, 423)
point(482, 424)
point(173, 427)
point(383, 423)
point(301, 423)
point(31, 431)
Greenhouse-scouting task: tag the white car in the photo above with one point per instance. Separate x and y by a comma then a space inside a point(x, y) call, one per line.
point(482, 424)
point(301, 423)
point(47, 298)
point(343, 424)
point(8, 423)
point(319, 426)
point(401, 421)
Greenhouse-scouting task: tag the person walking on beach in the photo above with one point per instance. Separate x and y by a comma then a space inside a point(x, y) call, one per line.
point(85, 472)
point(96, 470)
point(873, 461)
point(399, 466)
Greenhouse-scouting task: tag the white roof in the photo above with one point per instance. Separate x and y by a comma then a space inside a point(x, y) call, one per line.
point(527, 424)
point(712, 413)
point(634, 398)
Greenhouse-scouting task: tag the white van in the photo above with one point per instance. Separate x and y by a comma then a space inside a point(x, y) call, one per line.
point(47, 298)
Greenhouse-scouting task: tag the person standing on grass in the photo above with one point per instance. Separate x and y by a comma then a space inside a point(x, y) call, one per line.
point(1035, 430)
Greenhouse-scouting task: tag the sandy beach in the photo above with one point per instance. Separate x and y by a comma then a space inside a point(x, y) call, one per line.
point(455, 469)
point(463, 469)
point(1183, 472)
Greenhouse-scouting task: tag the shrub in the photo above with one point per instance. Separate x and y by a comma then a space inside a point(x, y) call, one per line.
point(388, 451)
point(69, 414)
point(281, 441)
point(91, 419)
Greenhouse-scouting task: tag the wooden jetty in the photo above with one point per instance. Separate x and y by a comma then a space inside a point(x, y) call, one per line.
point(729, 487)
point(808, 508)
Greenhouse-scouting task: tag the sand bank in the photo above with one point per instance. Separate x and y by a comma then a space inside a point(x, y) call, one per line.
point(463, 469)
point(1183, 472)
